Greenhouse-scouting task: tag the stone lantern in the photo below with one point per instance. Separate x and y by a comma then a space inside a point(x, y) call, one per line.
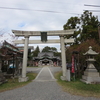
point(91, 75)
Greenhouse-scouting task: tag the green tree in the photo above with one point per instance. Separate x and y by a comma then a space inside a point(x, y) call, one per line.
point(73, 23)
point(49, 49)
point(53, 49)
point(35, 52)
point(46, 49)
point(80, 58)
point(86, 27)
point(89, 25)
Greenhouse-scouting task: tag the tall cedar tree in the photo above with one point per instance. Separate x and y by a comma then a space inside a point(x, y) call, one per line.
point(36, 51)
point(86, 27)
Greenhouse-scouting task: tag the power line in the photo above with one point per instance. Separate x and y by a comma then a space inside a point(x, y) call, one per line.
point(9, 8)
point(29, 9)
point(92, 5)
point(92, 10)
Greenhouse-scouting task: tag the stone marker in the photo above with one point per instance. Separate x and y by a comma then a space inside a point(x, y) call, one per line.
point(91, 75)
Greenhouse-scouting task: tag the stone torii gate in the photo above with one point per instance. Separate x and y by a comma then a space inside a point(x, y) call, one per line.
point(26, 41)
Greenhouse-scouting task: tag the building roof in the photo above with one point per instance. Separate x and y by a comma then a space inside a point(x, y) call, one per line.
point(46, 54)
point(10, 46)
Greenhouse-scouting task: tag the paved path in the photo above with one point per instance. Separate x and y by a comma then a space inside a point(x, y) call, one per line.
point(45, 75)
point(42, 88)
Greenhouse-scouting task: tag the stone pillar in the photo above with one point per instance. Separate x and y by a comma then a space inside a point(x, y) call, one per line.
point(63, 56)
point(25, 54)
point(68, 75)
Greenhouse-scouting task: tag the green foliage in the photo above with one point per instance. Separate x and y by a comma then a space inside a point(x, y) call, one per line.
point(78, 88)
point(57, 54)
point(35, 52)
point(86, 35)
point(49, 49)
point(86, 25)
point(13, 83)
point(29, 54)
point(45, 49)
point(89, 26)
point(82, 48)
point(72, 23)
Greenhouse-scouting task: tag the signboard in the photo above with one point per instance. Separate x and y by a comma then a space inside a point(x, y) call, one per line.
point(43, 36)
point(73, 67)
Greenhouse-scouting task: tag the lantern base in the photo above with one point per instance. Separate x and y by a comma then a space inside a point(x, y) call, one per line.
point(91, 75)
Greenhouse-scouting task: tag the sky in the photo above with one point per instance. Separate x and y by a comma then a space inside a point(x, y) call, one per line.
point(40, 15)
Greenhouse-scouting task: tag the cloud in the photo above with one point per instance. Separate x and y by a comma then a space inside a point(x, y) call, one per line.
point(40, 15)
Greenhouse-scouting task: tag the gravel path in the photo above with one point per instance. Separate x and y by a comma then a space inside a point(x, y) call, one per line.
point(41, 90)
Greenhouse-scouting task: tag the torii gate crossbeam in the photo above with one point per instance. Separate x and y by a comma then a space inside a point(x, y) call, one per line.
point(62, 41)
point(38, 33)
point(40, 42)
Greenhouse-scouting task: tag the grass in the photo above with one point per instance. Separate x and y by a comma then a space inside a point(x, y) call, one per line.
point(12, 84)
point(79, 88)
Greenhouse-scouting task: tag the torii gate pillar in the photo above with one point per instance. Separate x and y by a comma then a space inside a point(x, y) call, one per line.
point(63, 56)
point(24, 78)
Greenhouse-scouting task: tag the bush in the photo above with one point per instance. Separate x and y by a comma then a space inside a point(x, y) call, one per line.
point(82, 48)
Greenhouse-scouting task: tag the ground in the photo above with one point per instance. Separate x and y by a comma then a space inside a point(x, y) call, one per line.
point(42, 88)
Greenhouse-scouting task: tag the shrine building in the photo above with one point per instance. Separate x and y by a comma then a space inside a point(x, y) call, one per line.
point(46, 58)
